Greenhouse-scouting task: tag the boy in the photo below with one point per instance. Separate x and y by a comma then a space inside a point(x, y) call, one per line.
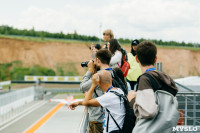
point(144, 100)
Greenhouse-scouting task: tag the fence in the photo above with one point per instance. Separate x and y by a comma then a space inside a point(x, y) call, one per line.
point(189, 106)
point(10, 103)
point(5, 83)
point(84, 122)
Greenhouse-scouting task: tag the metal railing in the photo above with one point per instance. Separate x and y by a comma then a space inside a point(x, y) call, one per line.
point(10, 103)
point(84, 122)
point(189, 108)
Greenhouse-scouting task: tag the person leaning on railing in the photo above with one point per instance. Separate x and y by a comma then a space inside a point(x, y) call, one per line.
point(114, 108)
point(101, 62)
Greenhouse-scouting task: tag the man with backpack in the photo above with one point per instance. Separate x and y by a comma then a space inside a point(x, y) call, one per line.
point(154, 103)
point(113, 101)
point(101, 62)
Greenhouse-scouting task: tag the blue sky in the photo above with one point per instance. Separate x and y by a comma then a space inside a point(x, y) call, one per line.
point(177, 20)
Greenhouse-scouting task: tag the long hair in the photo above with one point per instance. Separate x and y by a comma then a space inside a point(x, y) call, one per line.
point(120, 75)
point(114, 46)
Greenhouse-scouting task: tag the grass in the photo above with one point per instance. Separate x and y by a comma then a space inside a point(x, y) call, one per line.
point(6, 86)
point(180, 47)
point(77, 95)
point(43, 40)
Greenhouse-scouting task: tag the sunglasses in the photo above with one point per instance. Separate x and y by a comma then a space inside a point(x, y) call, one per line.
point(105, 34)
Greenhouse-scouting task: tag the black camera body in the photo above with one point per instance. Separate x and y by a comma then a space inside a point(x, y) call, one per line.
point(84, 64)
point(106, 46)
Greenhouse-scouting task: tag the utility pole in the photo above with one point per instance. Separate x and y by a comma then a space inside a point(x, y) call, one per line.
point(100, 26)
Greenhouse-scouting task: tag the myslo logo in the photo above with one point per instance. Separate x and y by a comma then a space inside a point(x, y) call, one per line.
point(185, 128)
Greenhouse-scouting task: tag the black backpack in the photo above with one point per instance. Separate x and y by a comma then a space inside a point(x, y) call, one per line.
point(117, 82)
point(129, 119)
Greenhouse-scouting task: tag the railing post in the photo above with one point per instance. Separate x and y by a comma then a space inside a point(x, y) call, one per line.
point(194, 110)
point(84, 122)
point(160, 66)
point(185, 110)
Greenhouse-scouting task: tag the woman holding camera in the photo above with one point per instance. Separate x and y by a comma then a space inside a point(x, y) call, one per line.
point(115, 49)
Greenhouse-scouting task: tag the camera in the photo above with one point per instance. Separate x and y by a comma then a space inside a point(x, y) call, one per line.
point(84, 64)
point(106, 46)
point(97, 46)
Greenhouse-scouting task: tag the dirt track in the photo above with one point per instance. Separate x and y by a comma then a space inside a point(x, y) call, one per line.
point(176, 62)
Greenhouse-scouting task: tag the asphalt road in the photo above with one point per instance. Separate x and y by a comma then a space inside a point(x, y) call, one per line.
point(63, 120)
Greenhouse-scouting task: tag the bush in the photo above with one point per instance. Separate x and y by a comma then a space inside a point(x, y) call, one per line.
point(19, 73)
point(41, 71)
point(16, 71)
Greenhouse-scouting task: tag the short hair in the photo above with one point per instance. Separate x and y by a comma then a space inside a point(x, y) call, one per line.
point(109, 32)
point(146, 52)
point(114, 45)
point(104, 55)
point(105, 77)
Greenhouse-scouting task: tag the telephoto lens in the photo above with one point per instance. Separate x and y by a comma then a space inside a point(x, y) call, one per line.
point(84, 64)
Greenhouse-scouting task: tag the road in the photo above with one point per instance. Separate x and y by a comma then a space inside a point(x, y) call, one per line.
point(43, 120)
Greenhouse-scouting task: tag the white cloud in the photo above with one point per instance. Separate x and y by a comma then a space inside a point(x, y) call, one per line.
point(156, 19)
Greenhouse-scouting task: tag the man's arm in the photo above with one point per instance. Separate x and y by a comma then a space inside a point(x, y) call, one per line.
point(87, 81)
point(92, 102)
point(131, 97)
point(145, 104)
point(88, 101)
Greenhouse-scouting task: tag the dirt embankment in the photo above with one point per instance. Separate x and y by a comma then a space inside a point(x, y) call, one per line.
point(176, 62)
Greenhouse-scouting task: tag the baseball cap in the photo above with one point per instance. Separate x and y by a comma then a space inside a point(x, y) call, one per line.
point(135, 42)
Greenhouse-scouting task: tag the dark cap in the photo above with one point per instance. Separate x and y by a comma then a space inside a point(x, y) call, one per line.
point(135, 42)
point(97, 46)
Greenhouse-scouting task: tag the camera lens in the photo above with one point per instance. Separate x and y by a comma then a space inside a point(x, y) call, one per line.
point(84, 64)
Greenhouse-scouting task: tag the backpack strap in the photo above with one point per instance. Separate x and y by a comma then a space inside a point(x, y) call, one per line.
point(95, 92)
point(155, 85)
point(113, 120)
point(120, 96)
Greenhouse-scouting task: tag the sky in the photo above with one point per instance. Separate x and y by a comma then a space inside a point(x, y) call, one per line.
point(177, 20)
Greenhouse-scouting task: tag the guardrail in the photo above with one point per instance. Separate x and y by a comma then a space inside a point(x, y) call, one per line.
point(189, 108)
point(84, 122)
point(10, 102)
point(5, 83)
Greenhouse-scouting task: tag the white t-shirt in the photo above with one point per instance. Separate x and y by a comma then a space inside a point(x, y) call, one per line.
point(112, 102)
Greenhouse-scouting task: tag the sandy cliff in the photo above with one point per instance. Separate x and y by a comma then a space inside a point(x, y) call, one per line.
point(176, 62)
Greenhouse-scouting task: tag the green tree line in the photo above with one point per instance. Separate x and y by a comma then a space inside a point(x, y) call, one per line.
point(8, 30)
